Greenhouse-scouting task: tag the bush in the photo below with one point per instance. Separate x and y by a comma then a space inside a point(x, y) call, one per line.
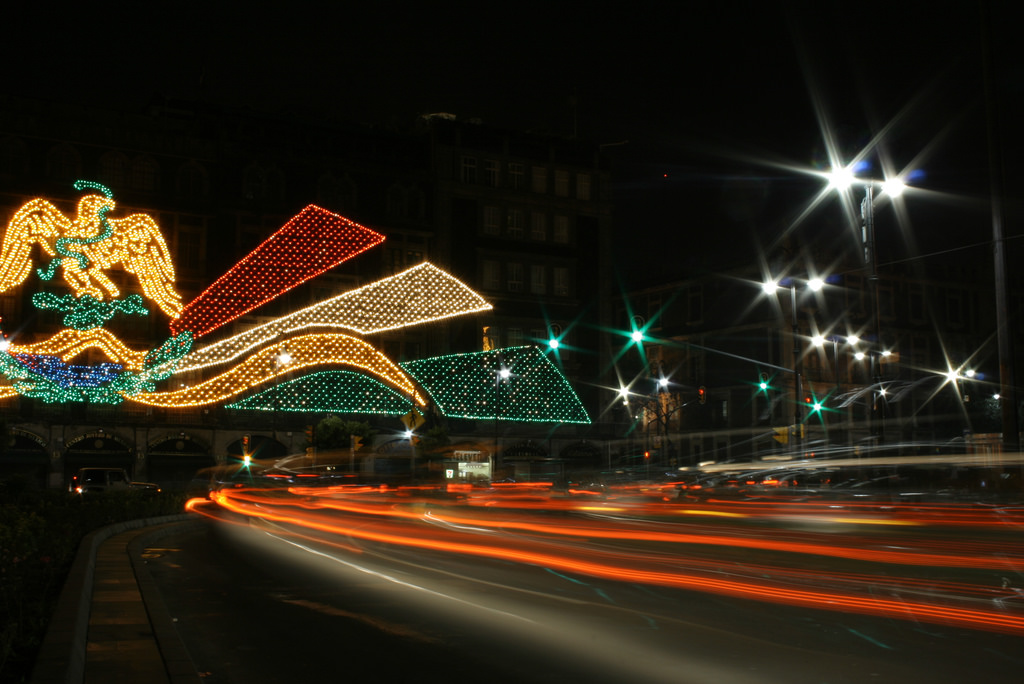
point(40, 532)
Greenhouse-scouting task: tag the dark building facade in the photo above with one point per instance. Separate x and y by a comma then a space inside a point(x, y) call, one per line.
point(743, 367)
point(522, 219)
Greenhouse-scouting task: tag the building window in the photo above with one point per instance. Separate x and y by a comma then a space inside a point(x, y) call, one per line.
point(515, 337)
point(492, 221)
point(145, 174)
point(397, 202)
point(515, 223)
point(492, 274)
point(64, 163)
point(189, 255)
point(561, 235)
point(917, 311)
point(468, 171)
point(561, 281)
point(538, 281)
point(515, 277)
point(192, 181)
point(695, 305)
point(515, 175)
point(954, 309)
point(13, 157)
point(114, 169)
point(583, 186)
point(253, 183)
point(562, 183)
point(337, 194)
point(539, 179)
point(491, 173)
point(490, 340)
point(538, 226)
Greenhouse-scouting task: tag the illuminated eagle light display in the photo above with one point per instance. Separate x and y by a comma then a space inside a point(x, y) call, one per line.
point(327, 362)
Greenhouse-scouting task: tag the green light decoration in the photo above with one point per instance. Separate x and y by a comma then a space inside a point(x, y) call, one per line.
point(471, 386)
point(159, 364)
point(87, 312)
point(106, 230)
point(329, 391)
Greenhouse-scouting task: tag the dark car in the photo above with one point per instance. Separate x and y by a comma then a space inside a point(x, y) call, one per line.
point(96, 480)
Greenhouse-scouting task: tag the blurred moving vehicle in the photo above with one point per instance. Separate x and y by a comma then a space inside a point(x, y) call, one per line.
point(95, 480)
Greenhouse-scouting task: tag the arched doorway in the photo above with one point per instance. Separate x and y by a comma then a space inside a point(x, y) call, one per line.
point(583, 454)
point(23, 456)
point(172, 461)
point(97, 450)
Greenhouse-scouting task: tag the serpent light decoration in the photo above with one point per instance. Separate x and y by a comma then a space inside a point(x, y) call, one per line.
point(328, 368)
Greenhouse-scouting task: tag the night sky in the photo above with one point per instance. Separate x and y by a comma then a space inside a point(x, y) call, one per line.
point(712, 113)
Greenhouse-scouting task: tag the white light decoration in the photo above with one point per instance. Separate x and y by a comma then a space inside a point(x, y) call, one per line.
point(420, 294)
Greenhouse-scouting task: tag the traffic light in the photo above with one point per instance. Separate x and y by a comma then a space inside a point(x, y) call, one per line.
point(647, 455)
point(763, 384)
point(309, 434)
point(702, 394)
point(357, 443)
point(245, 445)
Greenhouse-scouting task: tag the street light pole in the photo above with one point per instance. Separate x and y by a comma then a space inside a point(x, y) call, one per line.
point(798, 376)
point(867, 213)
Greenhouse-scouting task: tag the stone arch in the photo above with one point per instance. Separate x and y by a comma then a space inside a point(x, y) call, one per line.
point(24, 454)
point(98, 449)
point(525, 451)
point(172, 460)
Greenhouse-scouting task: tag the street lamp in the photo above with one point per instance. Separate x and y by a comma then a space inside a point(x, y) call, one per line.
point(770, 287)
point(841, 180)
point(281, 359)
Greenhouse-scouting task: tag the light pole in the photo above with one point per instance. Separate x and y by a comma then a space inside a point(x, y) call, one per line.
point(842, 179)
point(280, 360)
point(852, 340)
point(500, 378)
point(796, 438)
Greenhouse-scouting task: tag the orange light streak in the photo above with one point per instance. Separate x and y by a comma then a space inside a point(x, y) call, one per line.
point(311, 512)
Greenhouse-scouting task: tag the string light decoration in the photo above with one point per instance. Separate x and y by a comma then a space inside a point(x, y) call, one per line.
point(312, 242)
point(329, 391)
point(471, 386)
point(65, 375)
point(87, 312)
point(69, 343)
point(51, 379)
point(88, 245)
point(421, 294)
point(305, 351)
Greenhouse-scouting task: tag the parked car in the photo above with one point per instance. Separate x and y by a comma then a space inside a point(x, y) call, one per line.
point(95, 480)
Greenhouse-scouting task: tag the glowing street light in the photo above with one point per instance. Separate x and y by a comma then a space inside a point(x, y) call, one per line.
point(842, 179)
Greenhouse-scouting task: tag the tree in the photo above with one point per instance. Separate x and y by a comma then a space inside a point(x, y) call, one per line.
point(333, 432)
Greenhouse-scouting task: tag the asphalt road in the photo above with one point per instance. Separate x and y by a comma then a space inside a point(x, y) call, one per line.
point(255, 605)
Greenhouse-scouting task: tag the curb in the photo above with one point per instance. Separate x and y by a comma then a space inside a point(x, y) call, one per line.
point(61, 657)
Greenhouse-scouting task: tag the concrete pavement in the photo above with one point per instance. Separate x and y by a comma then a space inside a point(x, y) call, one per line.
point(111, 623)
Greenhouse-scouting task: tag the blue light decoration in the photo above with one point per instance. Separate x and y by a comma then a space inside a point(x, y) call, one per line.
point(55, 370)
point(472, 386)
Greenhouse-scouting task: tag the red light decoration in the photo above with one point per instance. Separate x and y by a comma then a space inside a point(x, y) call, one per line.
point(312, 242)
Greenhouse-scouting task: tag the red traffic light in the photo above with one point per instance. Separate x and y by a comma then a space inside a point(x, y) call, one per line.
point(702, 394)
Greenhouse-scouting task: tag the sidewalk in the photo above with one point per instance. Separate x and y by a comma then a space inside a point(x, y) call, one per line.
point(111, 623)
